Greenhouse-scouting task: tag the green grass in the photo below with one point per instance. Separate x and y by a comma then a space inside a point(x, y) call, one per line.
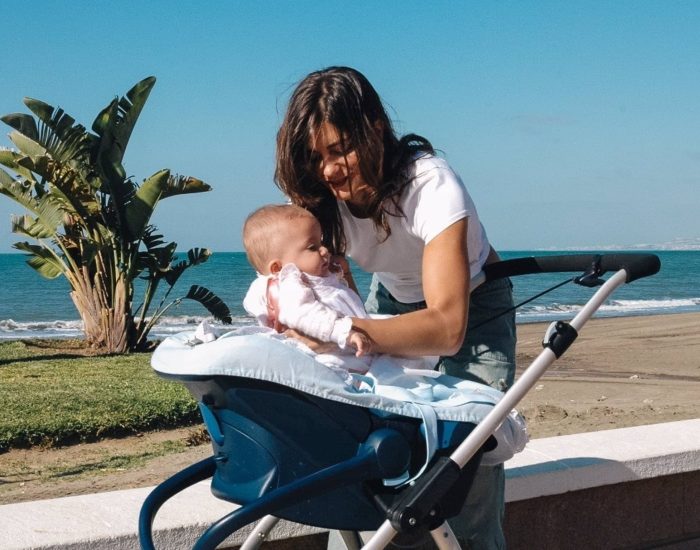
point(50, 394)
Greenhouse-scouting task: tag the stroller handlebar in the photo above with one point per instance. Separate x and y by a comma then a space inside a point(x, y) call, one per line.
point(637, 265)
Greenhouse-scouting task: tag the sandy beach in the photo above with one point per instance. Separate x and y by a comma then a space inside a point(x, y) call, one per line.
point(620, 372)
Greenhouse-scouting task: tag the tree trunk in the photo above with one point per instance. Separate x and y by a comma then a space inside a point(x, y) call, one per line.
point(106, 317)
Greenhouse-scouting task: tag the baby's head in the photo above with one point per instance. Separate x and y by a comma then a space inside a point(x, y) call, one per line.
point(280, 234)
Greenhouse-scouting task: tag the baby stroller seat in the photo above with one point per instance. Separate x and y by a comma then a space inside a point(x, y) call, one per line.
point(289, 437)
point(251, 418)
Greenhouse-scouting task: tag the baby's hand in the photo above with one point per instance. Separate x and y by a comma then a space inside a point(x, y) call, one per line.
point(316, 345)
point(361, 342)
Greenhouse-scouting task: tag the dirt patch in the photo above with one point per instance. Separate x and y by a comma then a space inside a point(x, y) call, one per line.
point(109, 465)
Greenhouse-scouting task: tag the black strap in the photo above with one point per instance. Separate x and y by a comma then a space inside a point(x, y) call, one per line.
point(522, 303)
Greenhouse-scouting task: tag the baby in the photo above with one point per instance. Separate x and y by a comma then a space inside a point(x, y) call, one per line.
point(298, 287)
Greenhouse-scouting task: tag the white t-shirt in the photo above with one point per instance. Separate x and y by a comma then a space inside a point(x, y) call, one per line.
point(434, 199)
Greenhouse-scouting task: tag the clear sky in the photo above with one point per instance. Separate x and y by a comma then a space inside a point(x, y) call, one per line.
point(571, 123)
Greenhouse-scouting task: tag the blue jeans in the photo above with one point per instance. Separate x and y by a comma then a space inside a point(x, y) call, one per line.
point(487, 355)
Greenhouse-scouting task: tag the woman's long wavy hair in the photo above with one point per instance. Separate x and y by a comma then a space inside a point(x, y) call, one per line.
point(344, 98)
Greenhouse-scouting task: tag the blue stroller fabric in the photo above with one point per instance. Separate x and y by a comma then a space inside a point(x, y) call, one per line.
point(436, 400)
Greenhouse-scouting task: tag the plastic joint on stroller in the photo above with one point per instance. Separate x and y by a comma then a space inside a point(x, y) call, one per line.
point(325, 463)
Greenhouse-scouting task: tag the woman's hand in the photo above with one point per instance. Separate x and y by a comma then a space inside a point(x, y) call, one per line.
point(317, 346)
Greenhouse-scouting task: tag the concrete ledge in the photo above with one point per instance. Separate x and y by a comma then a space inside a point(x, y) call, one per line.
point(547, 468)
point(556, 465)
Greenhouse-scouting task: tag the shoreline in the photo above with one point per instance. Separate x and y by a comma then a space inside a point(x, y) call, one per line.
point(564, 316)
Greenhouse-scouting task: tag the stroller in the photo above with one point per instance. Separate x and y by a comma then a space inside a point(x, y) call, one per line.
point(352, 462)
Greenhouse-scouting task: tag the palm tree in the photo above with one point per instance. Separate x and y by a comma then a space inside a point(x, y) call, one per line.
point(90, 222)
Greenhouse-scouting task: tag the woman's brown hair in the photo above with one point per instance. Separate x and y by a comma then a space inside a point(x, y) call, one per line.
point(344, 98)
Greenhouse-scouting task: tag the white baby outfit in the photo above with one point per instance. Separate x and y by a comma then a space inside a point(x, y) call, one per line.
point(322, 307)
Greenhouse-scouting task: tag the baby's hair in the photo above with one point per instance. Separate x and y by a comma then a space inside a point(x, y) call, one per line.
point(261, 235)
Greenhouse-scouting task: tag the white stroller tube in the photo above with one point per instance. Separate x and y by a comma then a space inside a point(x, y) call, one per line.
point(259, 533)
point(529, 378)
point(501, 410)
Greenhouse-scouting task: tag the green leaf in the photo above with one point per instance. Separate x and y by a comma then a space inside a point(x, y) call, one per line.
point(23, 123)
point(42, 260)
point(212, 302)
point(42, 110)
point(27, 146)
point(195, 256)
point(17, 191)
point(173, 274)
point(152, 239)
point(26, 225)
point(45, 267)
point(198, 255)
point(11, 160)
point(58, 133)
point(183, 185)
point(141, 206)
point(115, 123)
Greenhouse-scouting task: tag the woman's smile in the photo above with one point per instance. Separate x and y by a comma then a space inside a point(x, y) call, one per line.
point(338, 167)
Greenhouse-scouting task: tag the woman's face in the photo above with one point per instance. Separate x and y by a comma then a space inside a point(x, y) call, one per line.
point(337, 167)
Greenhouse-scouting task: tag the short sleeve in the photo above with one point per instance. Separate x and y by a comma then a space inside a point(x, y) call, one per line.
point(437, 198)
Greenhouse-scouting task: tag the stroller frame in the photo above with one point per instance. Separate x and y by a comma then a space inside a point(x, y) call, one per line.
point(440, 491)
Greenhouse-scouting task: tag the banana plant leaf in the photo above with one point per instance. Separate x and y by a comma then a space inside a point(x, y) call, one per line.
point(42, 260)
point(115, 123)
point(182, 185)
point(212, 302)
point(23, 123)
point(142, 204)
point(11, 160)
point(32, 149)
point(195, 256)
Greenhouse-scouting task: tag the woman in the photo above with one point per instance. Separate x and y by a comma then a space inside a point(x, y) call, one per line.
point(401, 213)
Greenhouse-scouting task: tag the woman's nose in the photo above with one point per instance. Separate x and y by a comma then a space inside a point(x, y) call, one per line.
point(330, 169)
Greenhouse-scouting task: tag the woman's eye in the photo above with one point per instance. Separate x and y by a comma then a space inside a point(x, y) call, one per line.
point(341, 152)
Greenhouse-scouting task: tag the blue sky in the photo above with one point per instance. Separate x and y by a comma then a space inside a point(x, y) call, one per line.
point(572, 124)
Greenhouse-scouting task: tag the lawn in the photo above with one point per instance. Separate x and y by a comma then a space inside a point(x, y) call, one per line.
point(54, 393)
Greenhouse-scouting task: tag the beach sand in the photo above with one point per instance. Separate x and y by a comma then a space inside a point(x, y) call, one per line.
point(620, 372)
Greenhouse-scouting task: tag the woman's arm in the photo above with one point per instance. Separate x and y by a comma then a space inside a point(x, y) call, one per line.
point(439, 329)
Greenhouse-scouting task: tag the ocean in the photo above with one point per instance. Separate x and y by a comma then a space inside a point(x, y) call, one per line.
point(31, 306)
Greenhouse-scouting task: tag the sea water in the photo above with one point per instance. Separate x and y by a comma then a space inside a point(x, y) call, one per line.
point(31, 306)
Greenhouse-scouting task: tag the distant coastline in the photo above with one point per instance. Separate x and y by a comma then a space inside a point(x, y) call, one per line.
point(676, 245)
point(679, 244)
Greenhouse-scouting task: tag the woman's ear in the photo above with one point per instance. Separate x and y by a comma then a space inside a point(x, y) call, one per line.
point(274, 266)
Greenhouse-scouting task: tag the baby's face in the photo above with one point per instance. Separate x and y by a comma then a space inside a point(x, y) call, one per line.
point(303, 248)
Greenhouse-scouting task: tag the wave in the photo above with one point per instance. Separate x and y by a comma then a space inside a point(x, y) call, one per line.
point(10, 329)
point(612, 308)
